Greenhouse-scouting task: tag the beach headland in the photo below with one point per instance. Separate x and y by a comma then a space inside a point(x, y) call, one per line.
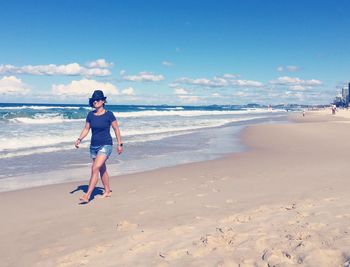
point(283, 202)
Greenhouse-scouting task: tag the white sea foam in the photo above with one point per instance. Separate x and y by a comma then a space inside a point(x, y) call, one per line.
point(36, 150)
point(50, 139)
point(176, 108)
point(189, 125)
point(39, 140)
point(189, 113)
point(43, 119)
point(41, 107)
point(52, 118)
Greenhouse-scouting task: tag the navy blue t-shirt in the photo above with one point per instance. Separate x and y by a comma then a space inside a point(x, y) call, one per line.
point(100, 127)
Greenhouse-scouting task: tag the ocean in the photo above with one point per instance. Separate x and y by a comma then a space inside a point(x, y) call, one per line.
point(37, 140)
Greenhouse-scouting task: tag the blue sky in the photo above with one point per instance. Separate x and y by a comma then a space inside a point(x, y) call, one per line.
point(174, 52)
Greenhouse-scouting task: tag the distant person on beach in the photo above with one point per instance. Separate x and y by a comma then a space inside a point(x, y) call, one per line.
point(99, 120)
point(334, 108)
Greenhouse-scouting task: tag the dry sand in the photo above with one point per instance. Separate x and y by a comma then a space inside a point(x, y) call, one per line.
point(284, 202)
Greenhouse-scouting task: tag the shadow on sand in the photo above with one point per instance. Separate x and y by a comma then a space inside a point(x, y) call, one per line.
point(84, 188)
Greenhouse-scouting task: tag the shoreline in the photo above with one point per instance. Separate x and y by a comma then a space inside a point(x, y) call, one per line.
point(254, 207)
point(202, 145)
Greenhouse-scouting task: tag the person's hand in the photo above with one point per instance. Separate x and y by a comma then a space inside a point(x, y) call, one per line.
point(120, 149)
point(77, 143)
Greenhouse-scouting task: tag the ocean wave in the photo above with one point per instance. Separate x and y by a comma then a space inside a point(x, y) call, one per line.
point(190, 126)
point(75, 115)
point(175, 108)
point(43, 119)
point(37, 150)
point(42, 116)
point(42, 107)
point(54, 139)
point(24, 140)
point(189, 113)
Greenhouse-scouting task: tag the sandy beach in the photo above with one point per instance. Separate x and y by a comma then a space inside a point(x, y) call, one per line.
point(283, 202)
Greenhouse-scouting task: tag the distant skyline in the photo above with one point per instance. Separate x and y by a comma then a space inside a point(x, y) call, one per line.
point(174, 52)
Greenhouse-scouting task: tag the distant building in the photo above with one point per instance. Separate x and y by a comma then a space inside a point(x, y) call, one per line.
point(343, 99)
point(345, 95)
point(338, 101)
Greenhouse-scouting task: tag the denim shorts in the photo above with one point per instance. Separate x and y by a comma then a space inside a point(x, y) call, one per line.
point(100, 150)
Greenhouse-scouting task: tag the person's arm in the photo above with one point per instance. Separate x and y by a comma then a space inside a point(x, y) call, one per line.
point(117, 135)
point(83, 134)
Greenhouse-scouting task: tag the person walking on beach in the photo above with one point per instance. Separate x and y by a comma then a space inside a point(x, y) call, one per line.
point(334, 109)
point(99, 120)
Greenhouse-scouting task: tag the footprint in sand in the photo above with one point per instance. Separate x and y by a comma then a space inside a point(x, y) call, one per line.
point(83, 256)
point(184, 179)
point(331, 199)
point(224, 178)
point(170, 202)
point(91, 229)
point(201, 195)
point(177, 194)
point(316, 226)
point(215, 190)
point(126, 226)
point(174, 254)
point(276, 256)
point(169, 182)
point(290, 207)
point(341, 216)
point(132, 191)
point(141, 247)
point(229, 201)
point(49, 251)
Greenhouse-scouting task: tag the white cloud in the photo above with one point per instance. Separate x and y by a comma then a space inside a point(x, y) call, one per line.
point(100, 63)
point(143, 76)
point(298, 88)
point(128, 91)
point(72, 69)
point(200, 81)
point(83, 87)
point(288, 68)
point(173, 85)
point(219, 81)
point(10, 85)
point(167, 63)
point(246, 83)
point(188, 99)
point(180, 91)
point(230, 76)
point(215, 95)
point(240, 94)
point(285, 80)
point(313, 82)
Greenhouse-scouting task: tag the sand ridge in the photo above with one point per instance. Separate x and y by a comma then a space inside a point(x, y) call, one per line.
point(310, 232)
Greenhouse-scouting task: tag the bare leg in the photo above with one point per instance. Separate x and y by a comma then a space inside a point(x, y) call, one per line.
point(97, 163)
point(105, 180)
